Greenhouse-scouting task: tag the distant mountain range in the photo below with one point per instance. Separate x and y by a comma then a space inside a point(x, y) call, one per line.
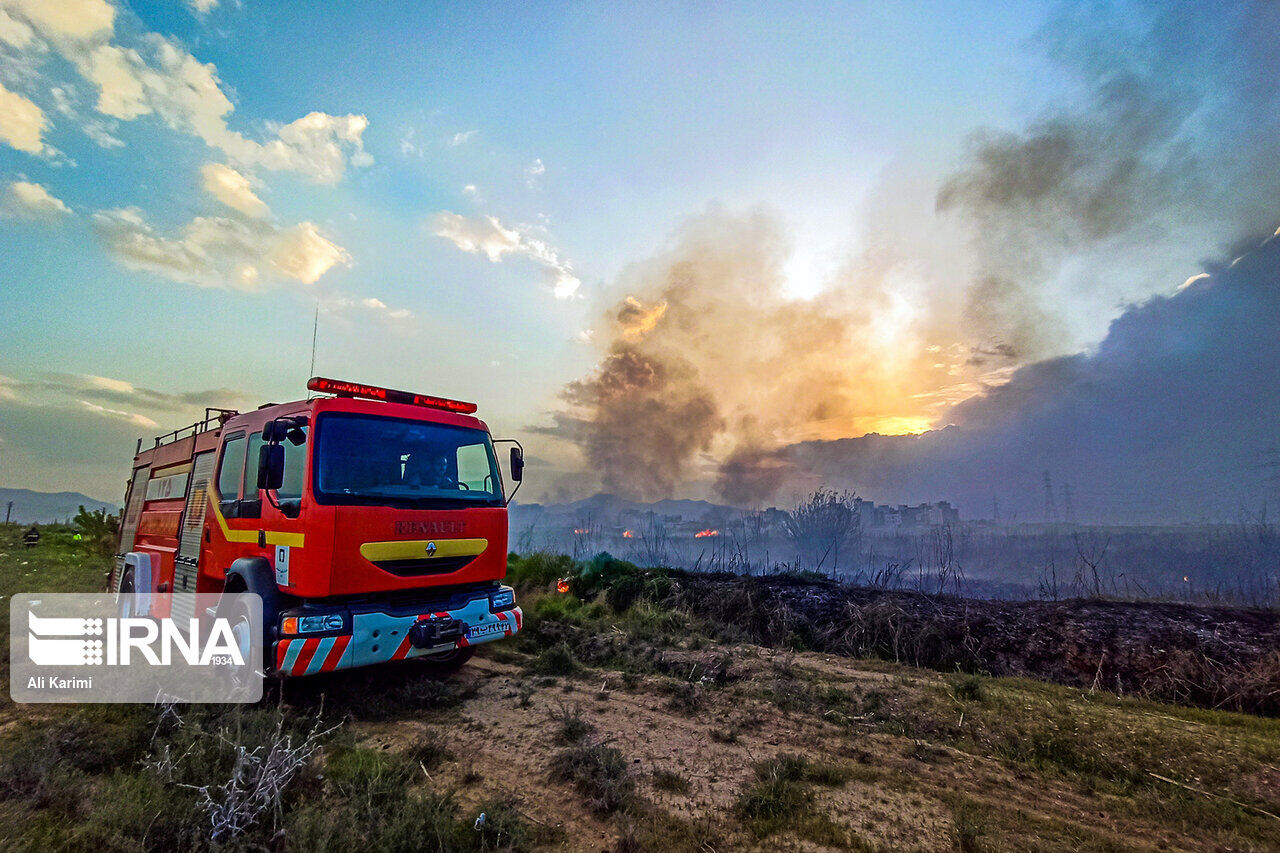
point(46, 507)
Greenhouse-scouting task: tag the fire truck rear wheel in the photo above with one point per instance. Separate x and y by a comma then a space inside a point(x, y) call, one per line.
point(447, 662)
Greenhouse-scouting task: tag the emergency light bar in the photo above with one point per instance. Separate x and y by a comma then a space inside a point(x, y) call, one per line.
point(388, 395)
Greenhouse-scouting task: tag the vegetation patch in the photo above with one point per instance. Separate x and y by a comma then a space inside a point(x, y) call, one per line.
point(570, 726)
point(780, 798)
point(671, 782)
point(599, 772)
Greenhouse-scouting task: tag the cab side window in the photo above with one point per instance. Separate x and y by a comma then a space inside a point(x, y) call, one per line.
point(251, 503)
point(230, 473)
point(295, 465)
point(473, 468)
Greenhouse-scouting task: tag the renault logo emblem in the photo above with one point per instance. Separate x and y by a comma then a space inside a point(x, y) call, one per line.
point(431, 549)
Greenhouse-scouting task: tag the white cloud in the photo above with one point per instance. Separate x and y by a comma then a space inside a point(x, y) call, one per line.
point(15, 32)
point(1192, 280)
point(202, 7)
point(33, 201)
point(462, 138)
point(232, 189)
point(22, 123)
point(470, 190)
point(407, 146)
point(106, 383)
point(156, 75)
point(101, 134)
point(317, 145)
point(345, 306)
point(533, 173)
point(378, 305)
point(476, 235)
point(218, 252)
point(488, 236)
point(302, 253)
point(117, 414)
point(114, 70)
point(66, 19)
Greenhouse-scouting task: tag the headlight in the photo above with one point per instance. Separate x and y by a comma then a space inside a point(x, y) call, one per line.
point(502, 598)
point(312, 624)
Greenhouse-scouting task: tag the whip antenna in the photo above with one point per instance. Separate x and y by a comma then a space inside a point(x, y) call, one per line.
point(315, 328)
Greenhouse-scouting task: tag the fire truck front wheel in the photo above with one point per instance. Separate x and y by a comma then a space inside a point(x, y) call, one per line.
point(241, 678)
point(447, 662)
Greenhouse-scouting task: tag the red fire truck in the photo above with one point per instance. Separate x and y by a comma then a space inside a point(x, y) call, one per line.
point(372, 522)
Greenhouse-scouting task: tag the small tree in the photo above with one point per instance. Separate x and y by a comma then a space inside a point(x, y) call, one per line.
point(823, 526)
point(98, 529)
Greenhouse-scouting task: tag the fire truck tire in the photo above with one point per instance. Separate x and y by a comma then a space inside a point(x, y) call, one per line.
point(241, 678)
point(448, 662)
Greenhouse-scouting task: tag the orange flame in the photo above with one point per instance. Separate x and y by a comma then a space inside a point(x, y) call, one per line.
point(562, 585)
point(702, 534)
point(580, 531)
point(627, 534)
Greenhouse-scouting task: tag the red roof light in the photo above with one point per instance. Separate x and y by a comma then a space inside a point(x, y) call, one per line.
point(388, 395)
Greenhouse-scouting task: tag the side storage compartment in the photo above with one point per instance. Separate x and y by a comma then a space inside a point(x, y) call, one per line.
point(187, 560)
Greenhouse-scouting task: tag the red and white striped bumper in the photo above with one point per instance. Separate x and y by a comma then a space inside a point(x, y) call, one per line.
point(379, 638)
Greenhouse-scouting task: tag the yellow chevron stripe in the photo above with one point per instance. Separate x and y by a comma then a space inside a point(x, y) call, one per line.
point(273, 537)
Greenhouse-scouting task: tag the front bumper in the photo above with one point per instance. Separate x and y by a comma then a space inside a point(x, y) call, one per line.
point(378, 637)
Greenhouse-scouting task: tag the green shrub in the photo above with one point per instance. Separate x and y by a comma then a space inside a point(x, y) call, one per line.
point(599, 772)
point(539, 569)
point(967, 687)
point(667, 780)
point(571, 726)
point(554, 660)
point(781, 798)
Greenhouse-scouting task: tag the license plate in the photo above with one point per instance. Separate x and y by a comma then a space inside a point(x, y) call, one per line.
point(477, 631)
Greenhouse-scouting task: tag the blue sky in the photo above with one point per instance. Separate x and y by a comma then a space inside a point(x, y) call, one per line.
point(463, 191)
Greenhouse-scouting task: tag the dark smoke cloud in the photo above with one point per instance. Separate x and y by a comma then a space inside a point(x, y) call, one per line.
point(1174, 139)
point(1168, 420)
point(751, 474)
point(645, 418)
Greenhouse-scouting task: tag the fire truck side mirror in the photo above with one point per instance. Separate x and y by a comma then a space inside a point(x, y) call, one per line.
point(271, 467)
point(517, 465)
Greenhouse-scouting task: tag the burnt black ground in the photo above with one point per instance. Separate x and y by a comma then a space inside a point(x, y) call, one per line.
point(1214, 657)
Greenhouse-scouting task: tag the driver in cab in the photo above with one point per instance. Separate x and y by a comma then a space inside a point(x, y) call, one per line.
point(429, 470)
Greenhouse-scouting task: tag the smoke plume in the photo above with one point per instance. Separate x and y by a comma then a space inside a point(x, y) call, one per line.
point(1167, 154)
point(709, 360)
point(1163, 154)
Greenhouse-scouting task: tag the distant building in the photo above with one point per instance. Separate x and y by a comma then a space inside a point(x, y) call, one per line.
point(881, 516)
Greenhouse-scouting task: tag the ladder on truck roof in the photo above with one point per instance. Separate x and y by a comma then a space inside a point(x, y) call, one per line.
point(213, 419)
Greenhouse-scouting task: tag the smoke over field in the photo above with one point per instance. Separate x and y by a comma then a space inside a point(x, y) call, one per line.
point(980, 300)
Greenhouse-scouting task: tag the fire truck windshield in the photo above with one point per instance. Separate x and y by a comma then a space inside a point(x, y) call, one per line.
point(365, 459)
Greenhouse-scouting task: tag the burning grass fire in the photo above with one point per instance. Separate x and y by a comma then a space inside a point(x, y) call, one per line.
point(703, 534)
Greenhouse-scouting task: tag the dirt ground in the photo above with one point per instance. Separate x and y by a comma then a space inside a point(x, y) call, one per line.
point(903, 792)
